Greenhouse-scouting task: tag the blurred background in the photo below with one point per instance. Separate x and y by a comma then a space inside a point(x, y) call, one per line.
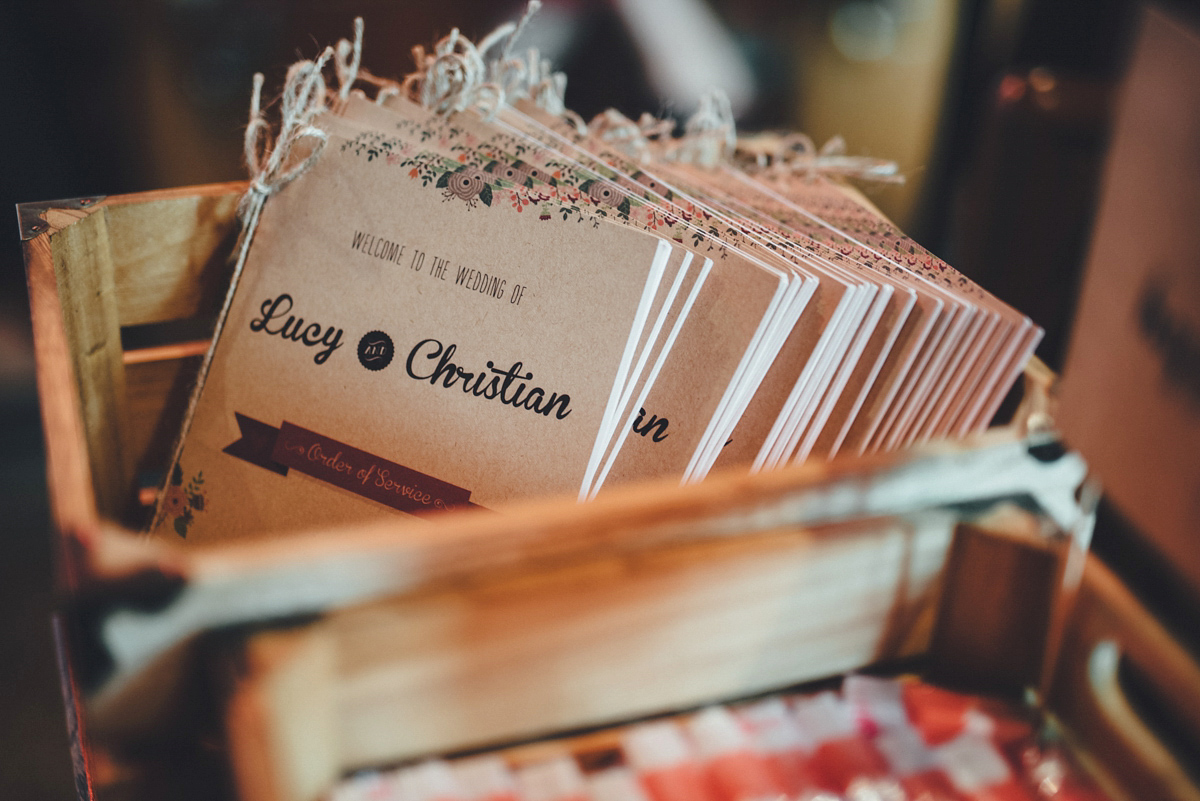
point(996, 110)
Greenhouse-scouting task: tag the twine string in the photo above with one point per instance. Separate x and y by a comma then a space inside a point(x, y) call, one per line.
point(268, 159)
point(797, 154)
point(302, 100)
point(493, 38)
point(642, 140)
point(347, 61)
point(513, 74)
point(710, 134)
point(577, 121)
point(549, 90)
point(384, 87)
point(532, 8)
point(452, 78)
point(457, 75)
point(386, 91)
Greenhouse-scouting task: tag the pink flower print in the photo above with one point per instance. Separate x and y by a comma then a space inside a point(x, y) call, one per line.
point(604, 193)
point(174, 500)
point(466, 183)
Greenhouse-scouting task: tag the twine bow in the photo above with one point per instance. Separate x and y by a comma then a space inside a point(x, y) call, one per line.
point(456, 75)
point(512, 74)
point(302, 100)
point(452, 78)
point(535, 78)
point(640, 140)
point(797, 154)
point(347, 65)
point(548, 88)
point(709, 135)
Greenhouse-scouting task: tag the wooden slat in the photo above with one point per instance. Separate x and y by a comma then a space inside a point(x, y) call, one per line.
point(281, 717)
point(1109, 625)
point(156, 395)
point(84, 272)
point(618, 637)
point(163, 353)
point(171, 254)
point(997, 603)
point(67, 467)
point(178, 192)
point(306, 573)
point(529, 652)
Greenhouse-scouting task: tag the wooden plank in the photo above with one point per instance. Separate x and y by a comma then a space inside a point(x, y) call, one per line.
point(198, 190)
point(592, 641)
point(324, 570)
point(68, 470)
point(84, 273)
point(1000, 593)
point(171, 254)
point(43, 217)
point(162, 353)
point(280, 718)
point(616, 637)
point(1109, 626)
point(156, 396)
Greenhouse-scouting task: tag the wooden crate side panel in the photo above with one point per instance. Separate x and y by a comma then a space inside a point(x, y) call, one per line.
point(195, 190)
point(84, 273)
point(1108, 626)
point(325, 570)
point(996, 609)
point(171, 255)
point(280, 717)
point(621, 637)
point(67, 467)
point(150, 257)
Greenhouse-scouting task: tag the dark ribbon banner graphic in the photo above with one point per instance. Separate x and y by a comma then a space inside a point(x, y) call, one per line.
point(291, 447)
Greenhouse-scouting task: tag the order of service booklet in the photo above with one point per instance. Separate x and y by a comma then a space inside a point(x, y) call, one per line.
point(395, 340)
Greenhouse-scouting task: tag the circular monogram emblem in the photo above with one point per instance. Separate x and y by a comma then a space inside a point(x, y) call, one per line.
point(375, 350)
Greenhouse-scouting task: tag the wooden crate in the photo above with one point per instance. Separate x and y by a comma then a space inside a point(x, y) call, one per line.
point(416, 637)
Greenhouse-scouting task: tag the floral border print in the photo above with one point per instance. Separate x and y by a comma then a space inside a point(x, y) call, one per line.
point(479, 174)
point(606, 194)
point(520, 173)
point(478, 178)
point(183, 502)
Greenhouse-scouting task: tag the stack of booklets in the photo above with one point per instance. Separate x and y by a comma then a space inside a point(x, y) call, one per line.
point(450, 293)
